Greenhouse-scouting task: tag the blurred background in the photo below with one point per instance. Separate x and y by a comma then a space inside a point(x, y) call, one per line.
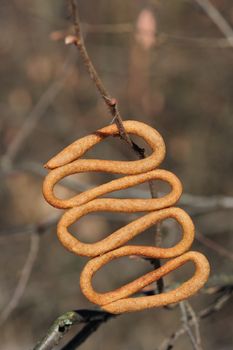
point(168, 65)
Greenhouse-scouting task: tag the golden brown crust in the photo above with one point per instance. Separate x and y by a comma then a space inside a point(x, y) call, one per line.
point(67, 163)
point(126, 233)
point(78, 148)
point(117, 302)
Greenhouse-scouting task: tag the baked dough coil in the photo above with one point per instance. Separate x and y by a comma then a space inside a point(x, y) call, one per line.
point(68, 162)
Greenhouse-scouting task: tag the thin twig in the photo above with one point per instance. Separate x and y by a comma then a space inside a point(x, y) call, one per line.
point(208, 242)
point(24, 278)
point(217, 19)
point(110, 102)
point(162, 37)
point(186, 325)
point(196, 324)
point(168, 344)
point(218, 303)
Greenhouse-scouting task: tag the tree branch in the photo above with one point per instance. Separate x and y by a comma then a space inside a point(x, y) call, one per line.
point(110, 102)
point(168, 344)
point(65, 322)
point(23, 280)
point(34, 116)
point(217, 19)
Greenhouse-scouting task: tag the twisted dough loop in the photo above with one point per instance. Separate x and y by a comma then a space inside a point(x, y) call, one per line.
point(67, 162)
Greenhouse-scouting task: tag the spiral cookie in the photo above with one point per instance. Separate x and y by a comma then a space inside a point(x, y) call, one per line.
point(68, 162)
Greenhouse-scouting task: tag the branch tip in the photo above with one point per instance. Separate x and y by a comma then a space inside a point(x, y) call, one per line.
point(70, 39)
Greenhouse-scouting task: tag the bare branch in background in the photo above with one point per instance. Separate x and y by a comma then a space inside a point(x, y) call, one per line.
point(210, 202)
point(162, 38)
point(45, 225)
point(38, 228)
point(196, 324)
point(24, 278)
point(128, 28)
point(168, 344)
point(221, 281)
point(33, 118)
point(210, 243)
point(166, 38)
point(205, 203)
point(187, 327)
point(217, 19)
